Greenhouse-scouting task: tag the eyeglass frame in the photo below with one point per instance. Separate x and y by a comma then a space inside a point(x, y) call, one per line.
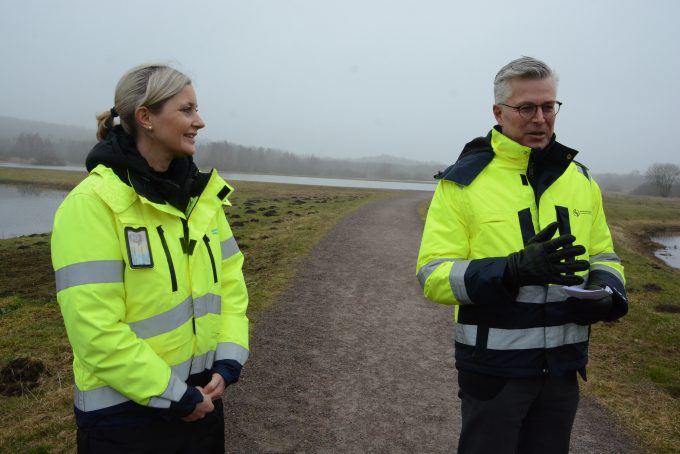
point(535, 109)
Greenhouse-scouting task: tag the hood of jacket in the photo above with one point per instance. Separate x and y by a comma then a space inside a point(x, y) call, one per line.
point(175, 186)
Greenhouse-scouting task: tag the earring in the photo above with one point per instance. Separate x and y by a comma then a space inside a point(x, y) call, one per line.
point(150, 128)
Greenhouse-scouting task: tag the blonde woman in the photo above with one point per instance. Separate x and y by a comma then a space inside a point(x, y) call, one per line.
point(149, 278)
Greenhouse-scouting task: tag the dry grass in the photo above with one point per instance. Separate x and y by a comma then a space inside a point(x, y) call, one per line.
point(53, 179)
point(634, 368)
point(275, 226)
point(635, 363)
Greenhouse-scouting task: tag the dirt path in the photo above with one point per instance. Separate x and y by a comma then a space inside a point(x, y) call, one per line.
point(354, 359)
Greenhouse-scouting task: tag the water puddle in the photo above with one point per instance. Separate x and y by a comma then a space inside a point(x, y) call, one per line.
point(671, 250)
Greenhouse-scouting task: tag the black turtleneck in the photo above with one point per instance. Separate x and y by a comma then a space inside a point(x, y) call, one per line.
point(175, 186)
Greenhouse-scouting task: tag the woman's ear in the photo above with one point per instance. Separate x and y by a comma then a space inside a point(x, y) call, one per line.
point(143, 118)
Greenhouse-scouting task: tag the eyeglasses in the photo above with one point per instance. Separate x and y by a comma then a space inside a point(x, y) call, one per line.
point(528, 111)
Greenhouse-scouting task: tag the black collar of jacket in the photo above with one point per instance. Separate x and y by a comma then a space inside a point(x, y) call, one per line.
point(175, 186)
point(545, 165)
point(476, 155)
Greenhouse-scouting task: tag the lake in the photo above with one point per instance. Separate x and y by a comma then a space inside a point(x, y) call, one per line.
point(336, 182)
point(27, 209)
point(671, 250)
point(284, 179)
point(32, 209)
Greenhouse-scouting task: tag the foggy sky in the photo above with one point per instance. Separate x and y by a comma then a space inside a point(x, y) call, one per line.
point(354, 78)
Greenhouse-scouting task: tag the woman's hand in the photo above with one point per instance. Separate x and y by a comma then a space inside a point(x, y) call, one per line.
point(216, 387)
point(202, 409)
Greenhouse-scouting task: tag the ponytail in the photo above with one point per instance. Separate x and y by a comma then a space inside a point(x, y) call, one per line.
point(105, 122)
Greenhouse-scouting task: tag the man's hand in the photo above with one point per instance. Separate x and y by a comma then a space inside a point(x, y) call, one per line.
point(216, 387)
point(587, 312)
point(201, 409)
point(541, 262)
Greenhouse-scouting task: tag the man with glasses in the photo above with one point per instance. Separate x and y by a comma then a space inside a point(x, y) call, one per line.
point(516, 239)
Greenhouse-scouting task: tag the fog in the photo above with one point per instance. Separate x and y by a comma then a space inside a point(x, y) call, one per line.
point(349, 78)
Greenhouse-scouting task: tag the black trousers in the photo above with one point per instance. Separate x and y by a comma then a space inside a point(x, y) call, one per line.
point(166, 437)
point(517, 416)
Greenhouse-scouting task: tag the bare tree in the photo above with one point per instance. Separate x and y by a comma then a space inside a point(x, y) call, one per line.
point(663, 176)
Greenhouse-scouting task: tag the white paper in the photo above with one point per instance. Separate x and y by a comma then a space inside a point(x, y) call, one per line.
point(583, 294)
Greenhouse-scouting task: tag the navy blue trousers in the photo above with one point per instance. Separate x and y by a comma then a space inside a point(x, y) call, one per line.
point(517, 415)
point(168, 437)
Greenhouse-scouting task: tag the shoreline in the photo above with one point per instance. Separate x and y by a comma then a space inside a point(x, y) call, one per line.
point(72, 168)
point(639, 233)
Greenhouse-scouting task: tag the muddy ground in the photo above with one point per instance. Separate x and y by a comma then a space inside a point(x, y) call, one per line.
point(354, 359)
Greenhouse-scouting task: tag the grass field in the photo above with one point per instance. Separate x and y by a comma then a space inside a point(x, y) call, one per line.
point(634, 370)
point(634, 366)
point(275, 225)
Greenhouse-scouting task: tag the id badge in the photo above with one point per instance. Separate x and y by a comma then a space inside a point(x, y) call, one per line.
point(139, 251)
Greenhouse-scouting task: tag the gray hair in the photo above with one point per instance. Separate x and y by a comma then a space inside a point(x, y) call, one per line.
point(149, 85)
point(522, 68)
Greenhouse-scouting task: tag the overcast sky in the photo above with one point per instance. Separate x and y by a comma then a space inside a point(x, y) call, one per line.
point(354, 78)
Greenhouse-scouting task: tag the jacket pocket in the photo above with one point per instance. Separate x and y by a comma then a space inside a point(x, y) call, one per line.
point(480, 386)
point(171, 267)
point(495, 233)
point(212, 257)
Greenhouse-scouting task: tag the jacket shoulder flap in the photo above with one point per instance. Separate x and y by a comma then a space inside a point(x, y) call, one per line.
point(476, 155)
point(582, 168)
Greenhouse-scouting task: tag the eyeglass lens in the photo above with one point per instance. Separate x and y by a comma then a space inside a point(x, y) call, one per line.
point(529, 110)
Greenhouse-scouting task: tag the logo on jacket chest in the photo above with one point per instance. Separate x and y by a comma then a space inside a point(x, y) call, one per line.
point(578, 212)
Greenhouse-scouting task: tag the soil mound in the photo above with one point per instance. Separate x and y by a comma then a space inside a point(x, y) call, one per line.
point(21, 375)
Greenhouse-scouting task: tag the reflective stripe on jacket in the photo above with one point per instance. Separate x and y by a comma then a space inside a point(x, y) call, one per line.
point(486, 206)
point(149, 296)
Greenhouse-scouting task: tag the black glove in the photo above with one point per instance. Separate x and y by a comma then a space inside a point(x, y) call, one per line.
point(587, 312)
point(541, 261)
point(608, 309)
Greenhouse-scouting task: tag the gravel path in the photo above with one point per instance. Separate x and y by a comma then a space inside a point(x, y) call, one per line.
point(354, 359)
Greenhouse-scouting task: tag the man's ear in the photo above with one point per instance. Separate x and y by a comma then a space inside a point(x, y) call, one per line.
point(143, 118)
point(498, 114)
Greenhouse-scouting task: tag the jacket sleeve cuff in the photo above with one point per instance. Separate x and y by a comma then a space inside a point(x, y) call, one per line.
point(485, 281)
point(192, 397)
point(229, 369)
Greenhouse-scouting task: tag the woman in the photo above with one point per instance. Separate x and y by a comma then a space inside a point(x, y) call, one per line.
point(149, 278)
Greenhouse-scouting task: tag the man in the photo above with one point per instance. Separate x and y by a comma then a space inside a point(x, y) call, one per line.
point(520, 337)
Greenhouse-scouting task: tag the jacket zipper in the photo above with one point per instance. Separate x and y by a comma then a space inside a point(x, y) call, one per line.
point(173, 277)
point(212, 258)
point(187, 243)
point(188, 248)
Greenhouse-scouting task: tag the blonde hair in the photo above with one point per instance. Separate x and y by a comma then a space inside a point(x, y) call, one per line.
point(149, 85)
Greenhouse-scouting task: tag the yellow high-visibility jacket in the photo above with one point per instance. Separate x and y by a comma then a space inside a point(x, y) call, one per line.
point(488, 205)
point(149, 295)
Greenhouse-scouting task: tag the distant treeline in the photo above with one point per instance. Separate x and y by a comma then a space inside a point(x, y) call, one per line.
point(32, 148)
point(615, 182)
point(232, 157)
